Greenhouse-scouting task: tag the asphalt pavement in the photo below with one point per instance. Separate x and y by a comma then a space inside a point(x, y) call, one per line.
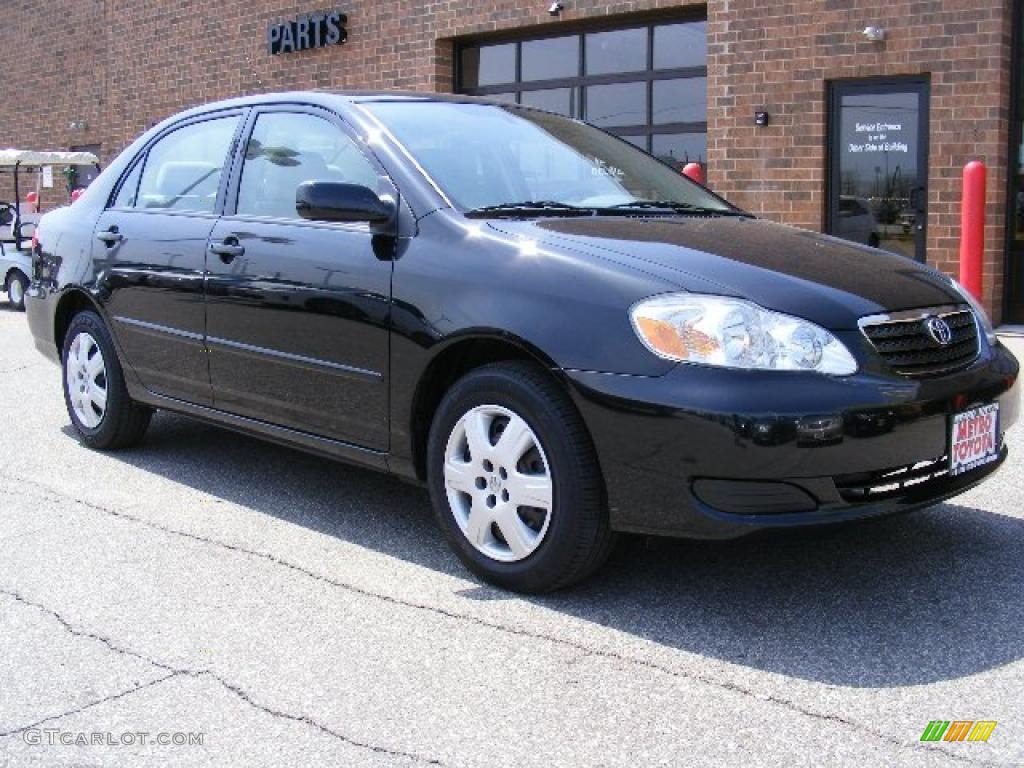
point(285, 610)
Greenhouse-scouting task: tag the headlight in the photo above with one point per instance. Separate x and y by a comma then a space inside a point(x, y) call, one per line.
point(732, 333)
point(984, 321)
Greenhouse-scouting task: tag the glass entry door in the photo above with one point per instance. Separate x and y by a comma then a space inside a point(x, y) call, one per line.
point(878, 164)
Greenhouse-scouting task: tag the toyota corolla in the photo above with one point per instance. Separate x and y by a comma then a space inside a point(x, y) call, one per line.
point(557, 334)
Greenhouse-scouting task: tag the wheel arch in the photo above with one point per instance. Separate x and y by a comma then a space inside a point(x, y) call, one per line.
point(455, 360)
point(12, 271)
point(71, 302)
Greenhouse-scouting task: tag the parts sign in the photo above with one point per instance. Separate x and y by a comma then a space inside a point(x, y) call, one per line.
point(313, 30)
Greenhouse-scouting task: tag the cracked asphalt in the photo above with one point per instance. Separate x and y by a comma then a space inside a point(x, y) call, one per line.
point(300, 612)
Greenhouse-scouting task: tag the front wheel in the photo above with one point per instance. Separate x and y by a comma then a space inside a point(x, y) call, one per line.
point(16, 286)
point(514, 480)
point(101, 411)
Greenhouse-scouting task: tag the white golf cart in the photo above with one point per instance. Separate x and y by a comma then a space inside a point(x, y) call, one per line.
point(17, 225)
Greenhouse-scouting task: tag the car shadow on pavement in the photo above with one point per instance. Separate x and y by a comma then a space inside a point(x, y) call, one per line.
point(915, 599)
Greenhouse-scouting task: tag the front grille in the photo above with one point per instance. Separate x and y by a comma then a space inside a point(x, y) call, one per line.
point(903, 341)
point(875, 486)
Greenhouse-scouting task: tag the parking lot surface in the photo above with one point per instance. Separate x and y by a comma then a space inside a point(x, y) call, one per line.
point(294, 611)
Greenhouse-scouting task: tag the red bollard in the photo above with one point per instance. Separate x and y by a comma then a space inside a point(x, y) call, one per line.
point(972, 227)
point(695, 172)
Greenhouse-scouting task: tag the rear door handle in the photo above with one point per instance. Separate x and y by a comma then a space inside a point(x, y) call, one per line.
point(110, 236)
point(228, 249)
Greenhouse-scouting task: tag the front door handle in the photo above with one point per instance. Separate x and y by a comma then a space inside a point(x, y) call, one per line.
point(111, 237)
point(228, 249)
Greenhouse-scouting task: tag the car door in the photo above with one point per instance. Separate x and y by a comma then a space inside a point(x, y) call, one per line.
point(150, 253)
point(297, 311)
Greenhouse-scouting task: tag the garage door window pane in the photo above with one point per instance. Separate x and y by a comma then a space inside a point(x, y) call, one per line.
point(558, 100)
point(618, 104)
point(620, 51)
point(678, 149)
point(681, 101)
point(551, 58)
point(488, 65)
point(183, 169)
point(680, 45)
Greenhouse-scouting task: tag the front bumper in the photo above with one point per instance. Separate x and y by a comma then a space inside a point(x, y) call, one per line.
point(713, 453)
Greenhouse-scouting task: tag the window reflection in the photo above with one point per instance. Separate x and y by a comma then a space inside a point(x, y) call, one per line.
point(678, 149)
point(623, 50)
point(488, 65)
point(680, 45)
point(617, 104)
point(559, 100)
point(680, 101)
point(551, 58)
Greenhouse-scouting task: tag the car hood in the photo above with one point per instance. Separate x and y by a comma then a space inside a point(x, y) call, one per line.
point(829, 281)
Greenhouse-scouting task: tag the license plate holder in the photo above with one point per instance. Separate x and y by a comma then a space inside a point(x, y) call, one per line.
point(973, 438)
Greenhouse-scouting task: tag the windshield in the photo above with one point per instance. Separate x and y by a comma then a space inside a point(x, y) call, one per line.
point(484, 155)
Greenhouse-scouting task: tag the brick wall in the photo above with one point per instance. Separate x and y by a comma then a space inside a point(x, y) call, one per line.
point(121, 65)
point(118, 66)
point(779, 56)
point(48, 80)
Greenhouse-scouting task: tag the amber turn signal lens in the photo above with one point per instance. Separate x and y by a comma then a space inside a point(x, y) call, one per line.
point(662, 336)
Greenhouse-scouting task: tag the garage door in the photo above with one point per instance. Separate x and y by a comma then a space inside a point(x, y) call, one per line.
point(645, 82)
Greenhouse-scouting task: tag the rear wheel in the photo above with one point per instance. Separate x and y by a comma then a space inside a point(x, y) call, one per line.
point(101, 411)
point(16, 286)
point(515, 482)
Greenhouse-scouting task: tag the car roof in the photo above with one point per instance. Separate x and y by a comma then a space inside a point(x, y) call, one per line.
point(336, 98)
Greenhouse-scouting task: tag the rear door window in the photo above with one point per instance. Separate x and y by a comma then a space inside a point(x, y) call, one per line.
point(183, 169)
point(128, 191)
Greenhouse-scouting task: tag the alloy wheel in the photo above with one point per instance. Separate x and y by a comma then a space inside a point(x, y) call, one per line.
point(86, 374)
point(498, 483)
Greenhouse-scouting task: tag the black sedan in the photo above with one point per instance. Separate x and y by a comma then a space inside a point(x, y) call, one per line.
point(556, 333)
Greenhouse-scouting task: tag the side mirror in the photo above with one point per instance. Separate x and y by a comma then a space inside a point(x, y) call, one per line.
point(334, 201)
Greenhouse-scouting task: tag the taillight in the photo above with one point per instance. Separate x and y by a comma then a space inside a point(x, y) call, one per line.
point(35, 240)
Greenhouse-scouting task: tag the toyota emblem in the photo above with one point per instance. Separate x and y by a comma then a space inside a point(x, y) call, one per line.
point(939, 330)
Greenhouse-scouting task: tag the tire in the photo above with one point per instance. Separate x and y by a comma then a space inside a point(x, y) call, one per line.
point(95, 394)
point(524, 548)
point(16, 286)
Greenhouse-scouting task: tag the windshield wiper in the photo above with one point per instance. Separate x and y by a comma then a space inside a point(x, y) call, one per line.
point(676, 207)
point(531, 206)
